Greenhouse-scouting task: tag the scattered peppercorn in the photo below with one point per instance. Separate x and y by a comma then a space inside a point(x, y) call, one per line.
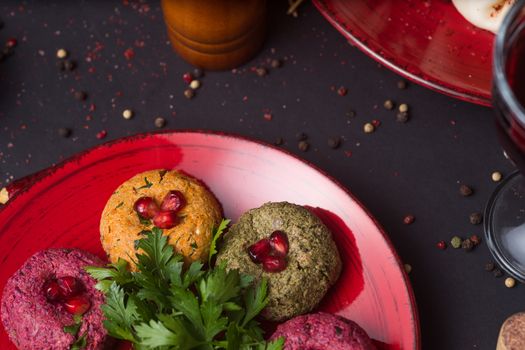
point(334, 142)
point(261, 71)
point(402, 84)
point(195, 84)
point(187, 77)
point(351, 113)
point(409, 219)
point(465, 190)
point(188, 93)
point(127, 114)
point(455, 242)
point(476, 240)
point(489, 267)
point(300, 136)
point(496, 176)
point(497, 272)
point(70, 65)
point(403, 108)
point(467, 245)
point(80, 95)
point(368, 128)
point(61, 53)
point(275, 63)
point(475, 218)
point(198, 73)
point(64, 132)
point(342, 91)
point(510, 282)
point(303, 146)
point(278, 141)
point(388, 104)
point(402, 117)
point(408, 268)
point(160, 122)
point(441, 245)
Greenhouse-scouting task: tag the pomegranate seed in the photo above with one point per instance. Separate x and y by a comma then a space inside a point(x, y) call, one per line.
point(260, 250)
point(166, 219)
point(187, 78)
point(12, 42)
point(77, 305)
point(174, 201)
point(279, 243)
point(69, 286)
point(441, 245)
point(274, 263)
point(52, 290)
point(146, 207)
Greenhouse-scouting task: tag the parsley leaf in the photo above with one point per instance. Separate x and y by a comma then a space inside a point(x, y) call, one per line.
point(72, 329)
point(147, 185)
point(217, 233)
point(143, 221)
point(167, 305)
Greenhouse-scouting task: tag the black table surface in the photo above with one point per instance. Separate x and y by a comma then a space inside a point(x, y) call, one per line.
point(413, 168)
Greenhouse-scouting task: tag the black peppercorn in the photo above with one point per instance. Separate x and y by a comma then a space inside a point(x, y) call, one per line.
point(160, 122)
point(489, 267)
point(334, 142)
point(402, 84)
point(261, 71)
point(467, 245)
point(189, 93)
point(80, 95)
point(70, 65)
point(64, 132)
point(465, 190)
point(497, 272)
point(303, 146)
point(276, 63)
point(198, 73)
point(475, 218)
point(402, 117)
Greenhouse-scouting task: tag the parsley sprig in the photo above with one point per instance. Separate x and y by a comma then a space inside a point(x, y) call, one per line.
point(165, 306)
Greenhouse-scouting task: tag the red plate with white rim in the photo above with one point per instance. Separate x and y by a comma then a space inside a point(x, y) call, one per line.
point(428, 42)
point(61, 207)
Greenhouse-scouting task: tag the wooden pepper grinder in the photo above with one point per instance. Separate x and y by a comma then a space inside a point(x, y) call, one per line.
point(215, 34)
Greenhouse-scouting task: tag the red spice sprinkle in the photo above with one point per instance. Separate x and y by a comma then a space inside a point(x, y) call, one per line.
point(88, 118)
point(441, 245)
point(91, 70)
point(129, 53)
point(342, 91)
point(267, 116)
point(11, 42)
point(92, 107)
point(102, 134)
point(376, 123)
point(348, 153)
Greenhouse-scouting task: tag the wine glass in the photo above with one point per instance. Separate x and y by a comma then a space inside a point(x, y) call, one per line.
point(505, 212)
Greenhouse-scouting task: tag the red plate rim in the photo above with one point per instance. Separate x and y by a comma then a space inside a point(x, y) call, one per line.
point(49, 171)
point(390, 62)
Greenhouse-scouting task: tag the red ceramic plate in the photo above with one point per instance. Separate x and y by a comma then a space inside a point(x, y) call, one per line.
point(62, 209)
point(428, 42)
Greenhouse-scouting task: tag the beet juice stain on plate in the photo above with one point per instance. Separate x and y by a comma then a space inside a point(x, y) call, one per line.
point(428, 42)
point(243, 174)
